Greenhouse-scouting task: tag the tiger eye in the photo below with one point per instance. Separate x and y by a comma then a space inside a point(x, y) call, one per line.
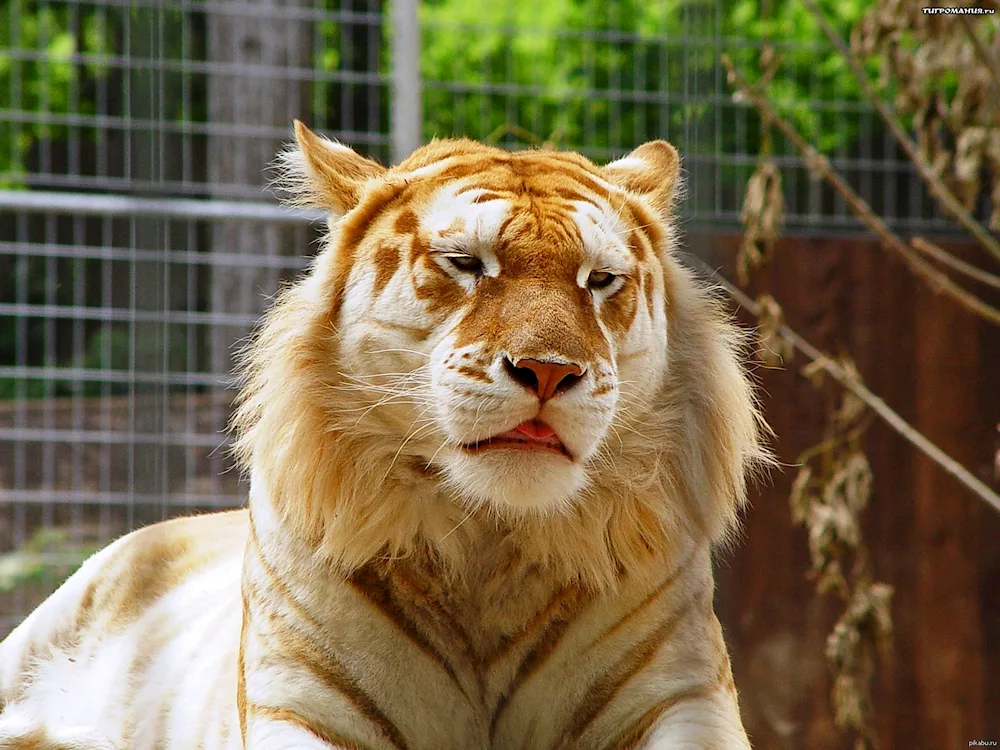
point(600, 279)
point(467, 263)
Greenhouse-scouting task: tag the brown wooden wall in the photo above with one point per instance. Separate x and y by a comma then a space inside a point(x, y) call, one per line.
point(931, 539)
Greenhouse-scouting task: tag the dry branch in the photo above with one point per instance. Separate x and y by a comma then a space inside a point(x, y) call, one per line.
point(959, 266)
point(934, 182)
point(876, 404)
point(989, 60)
point(820, 165)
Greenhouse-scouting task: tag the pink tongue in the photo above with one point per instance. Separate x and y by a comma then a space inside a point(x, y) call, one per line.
point(535, 430)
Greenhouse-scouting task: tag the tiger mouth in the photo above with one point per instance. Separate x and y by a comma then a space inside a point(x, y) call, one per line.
point(533, 435)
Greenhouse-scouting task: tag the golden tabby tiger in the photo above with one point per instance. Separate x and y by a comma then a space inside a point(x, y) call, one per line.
point(492, 436)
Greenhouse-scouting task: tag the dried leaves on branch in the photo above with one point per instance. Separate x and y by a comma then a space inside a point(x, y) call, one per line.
point(763, 210)
point(951, 144)
point(862, 632)
point(939, 78)
point(939, 87)
point(829, 497)
point(820, 165)
point(956, 118)
point(773, 349)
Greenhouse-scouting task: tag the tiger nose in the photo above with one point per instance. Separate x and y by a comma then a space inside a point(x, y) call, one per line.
point(546, 379)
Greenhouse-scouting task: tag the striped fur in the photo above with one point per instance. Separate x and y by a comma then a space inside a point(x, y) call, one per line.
point(399, 581)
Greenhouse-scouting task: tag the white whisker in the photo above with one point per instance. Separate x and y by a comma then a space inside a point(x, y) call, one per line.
point(459, 524)
point(409, 437)
point(400, 351)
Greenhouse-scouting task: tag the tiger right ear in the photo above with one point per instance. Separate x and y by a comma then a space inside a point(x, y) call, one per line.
point(320, 173)
point(652, 171)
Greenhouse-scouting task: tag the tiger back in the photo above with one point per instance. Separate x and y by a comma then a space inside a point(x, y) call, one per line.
point(492, 437)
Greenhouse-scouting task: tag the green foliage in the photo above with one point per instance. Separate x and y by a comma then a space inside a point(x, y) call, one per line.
point(47, 556)
point(39, 75)
point(605, 76)
point(549, 68)
point(109, 348)
point(815, 88)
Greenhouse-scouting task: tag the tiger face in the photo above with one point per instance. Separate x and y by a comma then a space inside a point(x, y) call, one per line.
point(518, 298)
point(496, 335)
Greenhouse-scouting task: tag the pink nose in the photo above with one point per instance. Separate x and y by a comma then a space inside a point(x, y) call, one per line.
point(546, 379)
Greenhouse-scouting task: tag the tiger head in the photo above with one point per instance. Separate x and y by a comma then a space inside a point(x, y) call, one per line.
point(512, 329)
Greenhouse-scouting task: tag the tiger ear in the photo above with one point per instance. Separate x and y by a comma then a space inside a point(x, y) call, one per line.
point(319, 173)
point(651, 171)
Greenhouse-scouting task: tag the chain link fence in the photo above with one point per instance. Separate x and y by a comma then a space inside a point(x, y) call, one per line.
point(139, 244)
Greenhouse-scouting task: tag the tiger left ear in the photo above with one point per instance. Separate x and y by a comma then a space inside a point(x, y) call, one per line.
point(320, 173)
point(651, 171)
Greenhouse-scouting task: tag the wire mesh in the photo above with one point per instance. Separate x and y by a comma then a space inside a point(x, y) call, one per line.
point(140, 130)
point(602, 78)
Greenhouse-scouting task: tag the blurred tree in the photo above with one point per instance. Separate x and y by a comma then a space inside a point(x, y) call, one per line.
point(253, 53)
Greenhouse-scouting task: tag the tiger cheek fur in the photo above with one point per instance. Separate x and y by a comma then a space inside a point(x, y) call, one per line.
point(492, 436)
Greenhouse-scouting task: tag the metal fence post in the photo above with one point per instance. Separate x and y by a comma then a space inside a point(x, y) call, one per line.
point(406, 106)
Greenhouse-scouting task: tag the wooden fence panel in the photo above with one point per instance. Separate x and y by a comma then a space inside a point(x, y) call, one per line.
point(937, 544)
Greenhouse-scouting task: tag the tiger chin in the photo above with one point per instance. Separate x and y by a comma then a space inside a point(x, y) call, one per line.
point(492, 436)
